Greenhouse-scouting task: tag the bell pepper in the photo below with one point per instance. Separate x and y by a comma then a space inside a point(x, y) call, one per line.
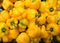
point(23, 38)
point(53, 29)
point(13, 34)
point(12, 23)
point(5, 39)
point(42, 19)
point(4, 30)
point(4, 16)
point(44, 33)
point(33, 4)
point(5, 5)
point(19, 4)
point(36, 30)
point(52, 19)
point(22, 25)
point(15, 12)
point(58, 5)
point(58, 17)
point(31, 14)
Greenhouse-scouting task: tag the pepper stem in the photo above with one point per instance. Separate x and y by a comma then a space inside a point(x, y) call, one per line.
point(3, 29)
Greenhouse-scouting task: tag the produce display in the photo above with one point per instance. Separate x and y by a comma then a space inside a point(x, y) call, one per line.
point(29, 21)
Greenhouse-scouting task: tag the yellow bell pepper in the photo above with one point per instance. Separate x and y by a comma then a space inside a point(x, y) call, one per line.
point(44, 33)
point(4, 30)
point(47, 7)
point(53, 29)
point(52, 19)
point(52, 2)
point(42, 19)
point(31, 14)
point(33, 30)
point(4, 15)
point(52, 7)
point(58, 4)
point(23, 25)
point(35, 40)
point(15, 12)
point(19, 4)
point(33, 4)
point(5, 39)
point(23, 38)
point(12, 23)
point(43, 6)
point(58, 17)
point(5, 5)
point(13, 34)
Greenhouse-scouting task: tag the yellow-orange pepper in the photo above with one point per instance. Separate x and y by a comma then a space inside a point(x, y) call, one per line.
point(53, 29)
point(5, 39)
point(15, 12)
point(19, 4)
point(58, 4)
point(23, 38)
point(4, 15)
point(33, 4)
point(13, 34)
point(44, 33)
point(33, 30)
point(4, 30)
point(7, 6)
point(47, 7)
point(23, 24)
point(52, 19)
point(42, 19)
point(31, 14)
point(12, 23)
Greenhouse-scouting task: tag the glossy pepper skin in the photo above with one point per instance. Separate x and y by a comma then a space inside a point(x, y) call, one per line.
point(58, 17)
point(5, 39)
point(13, 34)
point(12, 23)
point(36, 30)
point(23, 38)
point(48, 8)
point(4, 15)
point(5, 5)
point(53, 29)
point(33, 4)
point(23, 24)
point(31, 14)
point(58, 5)
point(44, 33)
point(19, 4)
point(4, 30)
point(15, 12)
point(42, 19)
point(43, 6)
point(35, 40)
point(52, 19)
